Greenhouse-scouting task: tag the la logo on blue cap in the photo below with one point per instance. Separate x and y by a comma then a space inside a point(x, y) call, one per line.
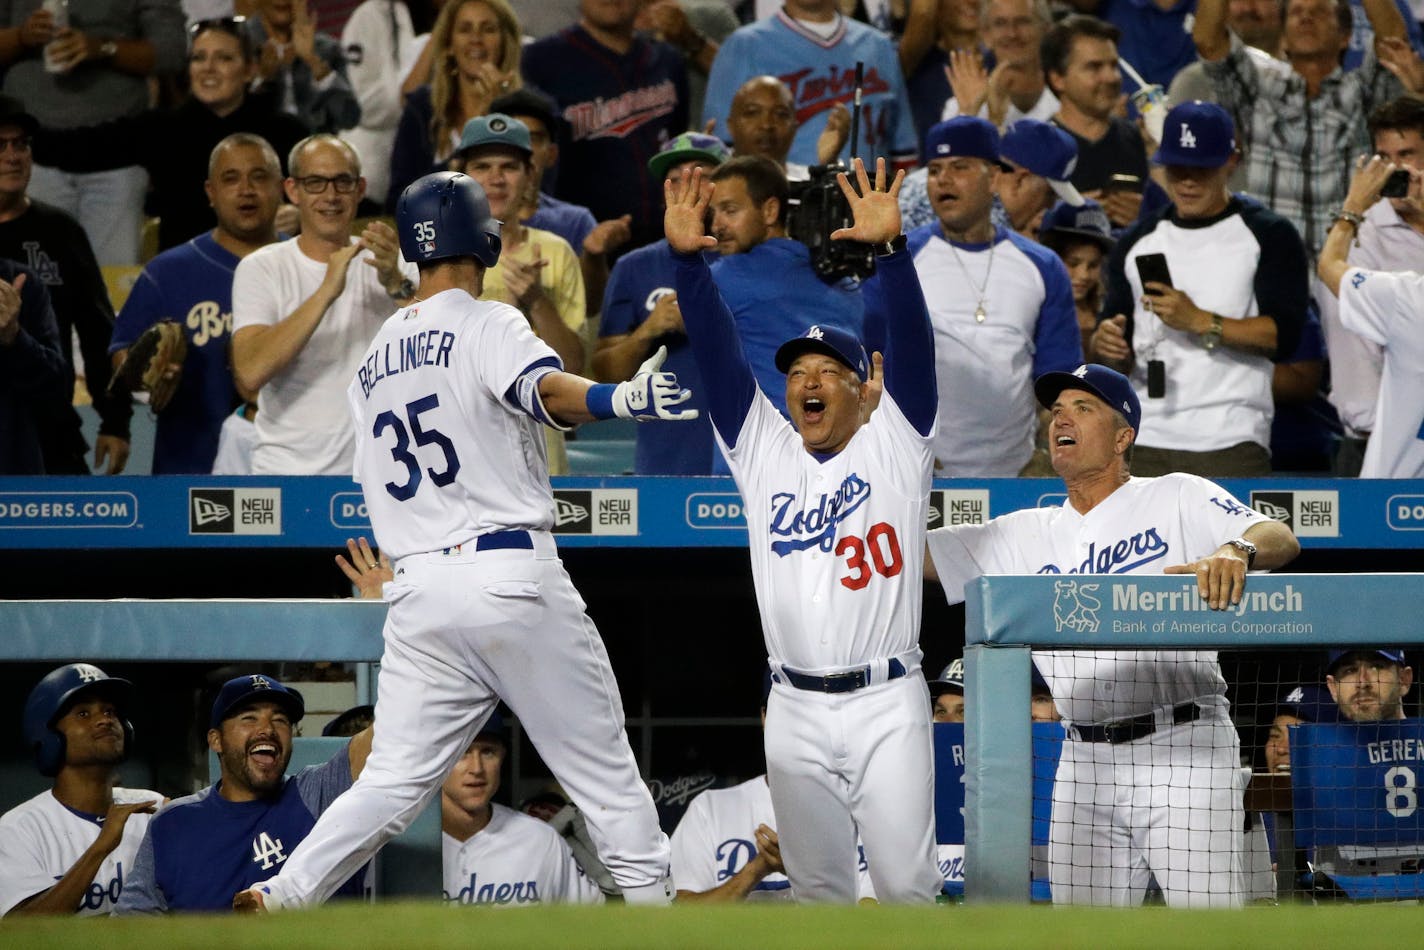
point(815, 333)
point(1081, 372)
point(1188, 140)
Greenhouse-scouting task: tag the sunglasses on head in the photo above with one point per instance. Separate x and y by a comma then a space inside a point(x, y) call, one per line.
point(228, 24)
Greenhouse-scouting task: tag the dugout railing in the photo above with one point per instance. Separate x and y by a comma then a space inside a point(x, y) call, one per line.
point(1007, 616)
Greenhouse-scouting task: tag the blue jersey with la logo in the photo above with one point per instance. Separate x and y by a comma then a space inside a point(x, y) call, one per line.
point(201, 850)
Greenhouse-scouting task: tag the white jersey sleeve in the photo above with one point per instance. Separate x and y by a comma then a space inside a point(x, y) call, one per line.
point(515, 859)
point(1378, 306)
point(41, 839)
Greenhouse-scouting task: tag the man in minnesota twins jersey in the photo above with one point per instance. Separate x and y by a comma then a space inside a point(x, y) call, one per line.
point(447, 405)
point(835, 516)
point(493, 854)
point(192, 285)
point(70, 849)
point(201, 849)
point(1152, 724)
point(813, 48)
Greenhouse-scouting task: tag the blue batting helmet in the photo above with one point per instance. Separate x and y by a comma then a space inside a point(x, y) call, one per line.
point(52, 697)
point(445, 215)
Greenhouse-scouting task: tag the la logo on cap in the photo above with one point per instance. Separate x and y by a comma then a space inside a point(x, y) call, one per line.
point(815, 333)
point(1081, 372)
point(942, 148)
point(260, 682)
point(1188, 140)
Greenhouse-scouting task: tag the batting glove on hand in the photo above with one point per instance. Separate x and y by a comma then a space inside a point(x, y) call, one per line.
point(652, 394)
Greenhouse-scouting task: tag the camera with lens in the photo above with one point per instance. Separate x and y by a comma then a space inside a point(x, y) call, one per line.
point(816, 208)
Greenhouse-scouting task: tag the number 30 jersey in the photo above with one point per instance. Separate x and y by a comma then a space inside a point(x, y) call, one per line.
point(445, 448)
point(837, 544)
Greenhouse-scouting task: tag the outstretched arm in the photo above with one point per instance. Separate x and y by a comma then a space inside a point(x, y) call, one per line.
point(711, 331)
point(895, 295)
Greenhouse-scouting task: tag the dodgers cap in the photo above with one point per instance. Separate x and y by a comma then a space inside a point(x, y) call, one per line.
point(950, 680)
point(834, 342)
point(495, 129)
point(241, 691)
point(1047, 151)
point(1394, 656)
point(1107, 384)
point(964, 136)
point(1088, 221)
point(685, 148)
point(1197, 134)
point(1309, 702)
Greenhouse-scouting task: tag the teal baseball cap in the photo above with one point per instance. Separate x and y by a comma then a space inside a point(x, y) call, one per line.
point(495, 129)
point(685, 148)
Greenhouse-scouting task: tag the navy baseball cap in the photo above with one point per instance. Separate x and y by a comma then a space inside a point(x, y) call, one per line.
point(1047, 151)
point(832, 341)
point(1088, 221)
point(950, 680)
point(346, 723)
point(1394, 656)
point(1107, 384)
point(685, 148)
point(1198, 134)
point(526, 101)
point(12, 112)
point(964, 136)
point(241, 691)
point(494, 728)
point(1310, 703)
point(495, 129)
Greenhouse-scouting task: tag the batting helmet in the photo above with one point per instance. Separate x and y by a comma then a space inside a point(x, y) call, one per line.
point(52, 697)
point(445, 215)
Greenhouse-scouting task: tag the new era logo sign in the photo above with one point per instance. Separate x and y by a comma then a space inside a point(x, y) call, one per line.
point(1188, 140)
point(235, 511)
point(211, 511)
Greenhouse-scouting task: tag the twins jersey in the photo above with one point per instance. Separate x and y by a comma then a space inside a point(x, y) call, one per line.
point(192, 285)
point(716, 838)
point(513, 860)
point(203, 849)
point(1388, 310)
point(1146, 525)
point(820, 72)
point(985, 368)
point(301, 426)
point(41, 839)
point(439, 396)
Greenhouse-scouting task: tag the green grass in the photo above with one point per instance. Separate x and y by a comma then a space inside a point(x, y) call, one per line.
point(413, 926)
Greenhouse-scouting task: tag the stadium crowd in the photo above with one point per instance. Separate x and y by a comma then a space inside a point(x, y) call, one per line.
point(1217, 204)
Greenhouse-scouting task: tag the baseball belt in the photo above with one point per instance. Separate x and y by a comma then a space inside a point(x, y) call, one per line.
point(1127, 730)
point(845, 682)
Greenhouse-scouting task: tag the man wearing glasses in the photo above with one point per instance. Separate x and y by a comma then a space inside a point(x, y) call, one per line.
point(303, 314)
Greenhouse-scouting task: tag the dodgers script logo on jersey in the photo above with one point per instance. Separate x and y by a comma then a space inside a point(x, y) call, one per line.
point(814, 526)
point(97, 894)
point(1120, 557)
point(504, 892)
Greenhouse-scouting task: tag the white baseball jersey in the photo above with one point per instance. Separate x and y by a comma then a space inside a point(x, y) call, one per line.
point(836, 544)
point(1388, 310)
point(422, 418)
point(515, 859)
point(717, 837)
point(1146, 525)
point(41, 839)
point(302, 428)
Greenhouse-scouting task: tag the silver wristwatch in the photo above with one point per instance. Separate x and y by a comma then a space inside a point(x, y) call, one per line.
point(1246, 548)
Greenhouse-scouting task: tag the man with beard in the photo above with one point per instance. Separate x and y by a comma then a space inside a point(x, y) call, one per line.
point(203, 848)
point(66, 850)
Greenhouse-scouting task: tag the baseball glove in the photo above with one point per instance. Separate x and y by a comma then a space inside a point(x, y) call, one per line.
point(154, 364)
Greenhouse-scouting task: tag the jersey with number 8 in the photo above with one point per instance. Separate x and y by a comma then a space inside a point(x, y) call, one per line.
point(438, 430)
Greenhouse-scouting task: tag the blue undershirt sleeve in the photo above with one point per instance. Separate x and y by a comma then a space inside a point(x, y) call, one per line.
point(1282, 281)
point(712, 332)
point(1058, 344)
point(897, 303)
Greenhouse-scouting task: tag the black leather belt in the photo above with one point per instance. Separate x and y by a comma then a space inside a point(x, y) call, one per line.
point(837, 682)
point(1127, 730)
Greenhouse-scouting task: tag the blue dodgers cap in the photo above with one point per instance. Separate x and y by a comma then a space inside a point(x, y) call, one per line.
point(833, 341)
point(1089, 222)
point(964, 136)
point(1047, 151)
point(1198, 134)
point(1394, 656)
point(241, 691)
point(685, 148)
point(950, 680)
point(1107, 384)
point(1309, 702)
point(495, 129)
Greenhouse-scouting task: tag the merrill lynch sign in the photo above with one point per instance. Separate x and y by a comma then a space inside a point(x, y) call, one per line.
point(1077, 605)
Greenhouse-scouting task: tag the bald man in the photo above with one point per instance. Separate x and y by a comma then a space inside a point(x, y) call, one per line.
point(762, 121)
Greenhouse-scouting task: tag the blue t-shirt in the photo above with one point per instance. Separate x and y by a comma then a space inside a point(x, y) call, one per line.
point(201, 850)
point(190, 284)
point(639, 280)
point(569, 221)
point(1157, 43)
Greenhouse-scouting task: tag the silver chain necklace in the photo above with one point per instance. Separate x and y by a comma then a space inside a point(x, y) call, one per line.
point(980, 314)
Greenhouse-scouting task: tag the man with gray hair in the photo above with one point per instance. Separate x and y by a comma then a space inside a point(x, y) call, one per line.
point(302, 316)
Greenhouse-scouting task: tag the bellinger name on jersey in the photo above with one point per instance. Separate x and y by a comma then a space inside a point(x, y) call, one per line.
point(423, 348)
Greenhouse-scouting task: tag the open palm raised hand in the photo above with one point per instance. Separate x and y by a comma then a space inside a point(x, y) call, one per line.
point(685, 220)
point(876, 210)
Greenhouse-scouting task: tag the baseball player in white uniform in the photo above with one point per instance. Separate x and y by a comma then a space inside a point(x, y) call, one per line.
point(67, 850)
point(447, 405)
point(836, 517)
point(1148, 783)
point(495, 855)
point(1385, 309)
